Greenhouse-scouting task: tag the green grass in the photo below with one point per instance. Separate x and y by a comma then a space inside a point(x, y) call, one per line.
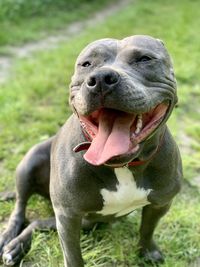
point(33, 105)
point(22, 21)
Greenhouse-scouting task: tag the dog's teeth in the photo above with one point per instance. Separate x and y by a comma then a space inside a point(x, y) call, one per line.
point(83, 125)
point(139, 124)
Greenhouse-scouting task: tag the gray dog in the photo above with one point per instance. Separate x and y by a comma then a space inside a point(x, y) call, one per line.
point(122, 93)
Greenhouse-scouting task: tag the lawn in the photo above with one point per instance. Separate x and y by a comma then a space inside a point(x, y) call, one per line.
point(34, 104)
point(22, 20)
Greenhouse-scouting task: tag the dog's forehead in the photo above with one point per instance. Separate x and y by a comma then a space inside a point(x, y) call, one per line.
point(99, 47)
point(113, 46)
point(144, 42)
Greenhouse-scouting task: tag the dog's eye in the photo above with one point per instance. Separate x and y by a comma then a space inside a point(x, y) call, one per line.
point(144, 59)
point(86, 64)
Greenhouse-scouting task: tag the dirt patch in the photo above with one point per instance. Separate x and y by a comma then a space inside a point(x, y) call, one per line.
point(52, 41)
point(5, 64)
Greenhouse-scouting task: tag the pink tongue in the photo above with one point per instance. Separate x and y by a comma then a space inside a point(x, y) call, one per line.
point(112, 139)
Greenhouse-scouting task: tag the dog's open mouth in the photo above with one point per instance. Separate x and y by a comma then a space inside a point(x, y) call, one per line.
point(115, 133)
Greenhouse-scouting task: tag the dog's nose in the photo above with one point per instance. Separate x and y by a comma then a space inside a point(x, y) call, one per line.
point(102, 79)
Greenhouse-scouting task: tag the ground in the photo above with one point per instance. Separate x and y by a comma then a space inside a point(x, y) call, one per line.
point(33, 105)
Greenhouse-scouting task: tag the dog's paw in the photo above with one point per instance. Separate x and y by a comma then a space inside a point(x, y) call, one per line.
point(11, 253)
point(151, 253)
point(154, 257)
point(14, 251)
point(4, 240)
point(7, 259)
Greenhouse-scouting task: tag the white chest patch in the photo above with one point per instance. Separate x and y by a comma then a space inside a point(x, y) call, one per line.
point(128, 196)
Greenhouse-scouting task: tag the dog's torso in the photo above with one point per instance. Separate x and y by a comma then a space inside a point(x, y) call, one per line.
point(103, 193)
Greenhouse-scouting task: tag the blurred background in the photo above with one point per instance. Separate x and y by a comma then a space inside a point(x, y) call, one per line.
point(39, 43)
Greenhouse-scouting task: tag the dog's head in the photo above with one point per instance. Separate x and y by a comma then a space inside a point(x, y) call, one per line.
point(123, 91)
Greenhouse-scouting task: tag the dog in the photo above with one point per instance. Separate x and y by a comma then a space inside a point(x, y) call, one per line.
point(113, 155)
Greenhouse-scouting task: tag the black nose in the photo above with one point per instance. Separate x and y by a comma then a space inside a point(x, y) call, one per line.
point(102, 79)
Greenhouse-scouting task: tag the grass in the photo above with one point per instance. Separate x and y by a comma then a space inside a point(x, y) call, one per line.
point(22, 21)
point(33, 105)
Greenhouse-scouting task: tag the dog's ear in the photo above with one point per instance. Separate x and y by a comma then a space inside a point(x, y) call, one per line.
point(161, 41)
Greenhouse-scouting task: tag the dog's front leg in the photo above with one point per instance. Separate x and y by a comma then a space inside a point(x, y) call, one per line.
point(150, 218)
point(69, 226)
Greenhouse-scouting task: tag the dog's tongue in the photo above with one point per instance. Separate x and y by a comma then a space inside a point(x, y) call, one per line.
point(113, 137)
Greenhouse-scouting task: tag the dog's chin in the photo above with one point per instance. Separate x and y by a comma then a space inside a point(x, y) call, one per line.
point(123, 160)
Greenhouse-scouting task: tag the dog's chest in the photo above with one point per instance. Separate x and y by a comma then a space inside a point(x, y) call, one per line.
point(126, 198)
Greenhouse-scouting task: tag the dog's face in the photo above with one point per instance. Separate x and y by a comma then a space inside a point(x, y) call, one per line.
point(122, 91)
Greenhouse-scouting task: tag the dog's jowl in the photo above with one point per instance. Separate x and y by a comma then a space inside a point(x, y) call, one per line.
point(113, 155)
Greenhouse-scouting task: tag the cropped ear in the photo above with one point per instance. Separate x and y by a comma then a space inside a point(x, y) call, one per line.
point(161, 41)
